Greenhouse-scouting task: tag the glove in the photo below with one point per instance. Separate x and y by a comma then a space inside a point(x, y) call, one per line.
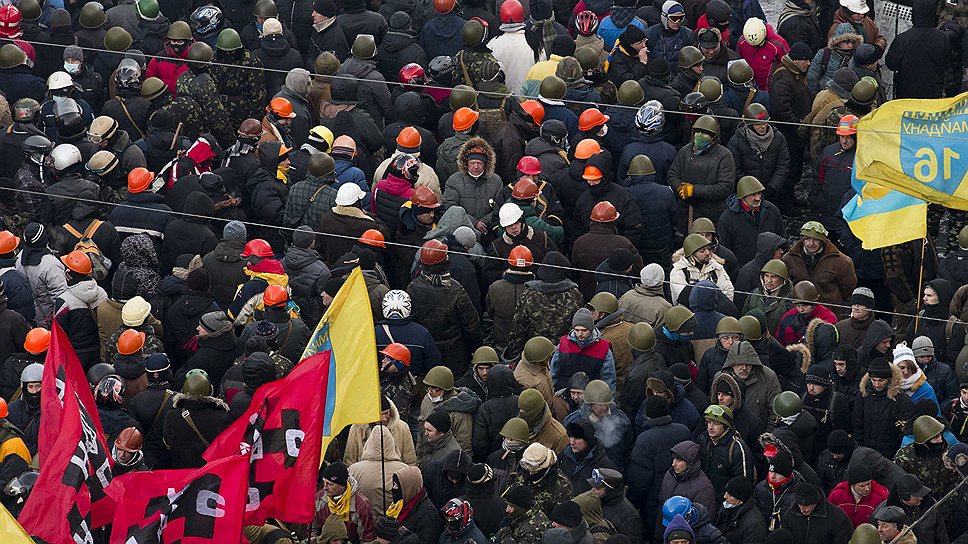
point(685, 190)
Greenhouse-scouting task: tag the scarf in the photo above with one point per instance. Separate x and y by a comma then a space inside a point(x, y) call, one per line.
point(512, 27)
point(759, 143)
point(400, 510)
point(701, 143)
point(341, 506)
point(788, 420)
point(907, 383)
point(437, 280)
point(792, 9)
point(778, 487)
point(547, 35)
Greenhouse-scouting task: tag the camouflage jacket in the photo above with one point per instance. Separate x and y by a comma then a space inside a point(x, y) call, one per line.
point(241, 90)
point(928, 467)
point(545, 309)
point(553, 489)
point(186, 111)
point(527, 529)
point(152, 345)
point(283, 364)
point(202, 89)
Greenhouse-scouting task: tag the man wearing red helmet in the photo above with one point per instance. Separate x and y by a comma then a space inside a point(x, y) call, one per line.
point(263, 270)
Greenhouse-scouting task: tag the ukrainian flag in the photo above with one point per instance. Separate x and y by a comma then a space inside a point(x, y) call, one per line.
point(882, 217)
point(352, 387)
point(10, 531)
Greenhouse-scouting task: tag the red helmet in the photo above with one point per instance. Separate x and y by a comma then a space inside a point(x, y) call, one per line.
point(586, 23)
point(10, 22)
point(413, 73)
point(529, 165)
point(512, 12)
point(433, 252)
point(258, 248)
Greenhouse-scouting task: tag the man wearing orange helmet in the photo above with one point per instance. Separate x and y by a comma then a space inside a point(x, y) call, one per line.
point(602, 188)
point(503, 296)
point(595, 250)
point(34, 351)
point(74, 308)
point(20, 298)
point(418, 216)
point(14, 455)
point(144, 212)
point(293, 332)
point(263, 270)
point(127, 453)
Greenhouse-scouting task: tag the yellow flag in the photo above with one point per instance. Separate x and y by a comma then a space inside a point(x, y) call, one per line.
point(10, 531)
point(352, 389)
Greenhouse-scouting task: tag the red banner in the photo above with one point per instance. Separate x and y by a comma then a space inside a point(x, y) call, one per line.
point(68, 500)
point(188, 506)
point(284, 416)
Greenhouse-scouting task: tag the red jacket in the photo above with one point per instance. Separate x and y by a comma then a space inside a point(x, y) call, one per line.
point(765, 58)
point(168, 66)
point(703, 22)
point(791, 329)
point(858, 512)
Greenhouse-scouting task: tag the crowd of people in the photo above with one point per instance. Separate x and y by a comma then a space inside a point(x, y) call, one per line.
point(614, 297)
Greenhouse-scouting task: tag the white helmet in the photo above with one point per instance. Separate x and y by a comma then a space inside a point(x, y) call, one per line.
point(349, 194)
point(135, 311)
point(396, 304)
point(65, 156)
point(509, 214)
point(855, 6)
point(32, 373)
point(754, 31)
point(59, 80)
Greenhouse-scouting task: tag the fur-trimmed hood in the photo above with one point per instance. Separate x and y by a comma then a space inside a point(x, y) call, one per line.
point(844, 32)
point(473, 143)
point(182, 398)
point(804, 353)
point(893, 388)
point(733, 385)
point(821, 338)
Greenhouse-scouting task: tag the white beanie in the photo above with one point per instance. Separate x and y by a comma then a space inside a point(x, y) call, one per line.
point(652, 275)
point(903, 353)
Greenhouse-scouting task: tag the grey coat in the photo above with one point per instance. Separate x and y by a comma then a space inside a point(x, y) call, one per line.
point(374, 94)
point(48, 281)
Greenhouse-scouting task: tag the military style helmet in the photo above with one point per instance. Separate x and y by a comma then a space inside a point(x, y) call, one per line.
point(642, 336)
point(604, 302)
point(676, 317)
point(117, 39)
point(228, 40)
point(641, 165)
point(553, 88)
point(865, 533)
point(474, 33)
point(756, 113)
point(728, 325)
point(694, 102)
point(326, 64)
point(805, 292)
point(787, 404)
point(707, 124)
point(963, 237)
point(738, 72)
point(538, 349)
point(690, 56)
point(265, 9)
point(776, 267)
point(711, 88)
point(748, 185)
point(693, 243)
point(463, 96)
point(321, 164)
point(598, 392)
point(152, 88)
point(485, 355)
point(197, 384)
point(440, 376)
point(25, 110)
point(587, 58)
point(29, 10)
point(702, 225)
point(925, 428)
point(200, 54)
point(630, 93)
point(364, 46)
point(149, 10)
point(179, 30)
point(516, 429)
point(864, 91)
point(92, 15)
point(752, 330)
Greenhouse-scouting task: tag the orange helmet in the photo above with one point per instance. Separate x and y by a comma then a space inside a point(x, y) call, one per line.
point(425, 198)
point(592, 172)
point(534, 109)
point(4, 411)
point(129, 440)
point(8, 242)
point(433, 252)
point(847, 125)
point(139, 180)
point(586, 148)
point(590, 119)
point(464, 119)
point(520, 257)
point(274, 295)
point(37, 341)
point(397, 352)
point(130, 341)
point(409, 139)
point(373, 237)
point(78, 261)
point(257, 247)
point(524, 189)
point(280, 107)
point(604, 212)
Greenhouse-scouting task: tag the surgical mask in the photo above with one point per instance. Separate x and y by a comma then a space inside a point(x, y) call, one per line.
point(72, 68)
point(701, 142)
point(436, 399)
point(59, 99)
point(727, 505)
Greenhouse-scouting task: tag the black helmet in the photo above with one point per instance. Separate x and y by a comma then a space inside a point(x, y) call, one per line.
point(69, 119)
point(442, 68)
point(98, 372)
point(206, 20)
point(694, 102)
point(26, 110)
point(109, 392)
point(37, 144)
point(405, 166)
point(128, 75)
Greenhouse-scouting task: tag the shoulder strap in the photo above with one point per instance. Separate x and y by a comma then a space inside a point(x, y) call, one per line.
point(463, 67)
point(750, 95)
point(92, 228)
point(825, 60)
point(72, 230)
point(191, 423)
point(285, 340)
point(131, 119)
point(312, 199)
point(161, 408)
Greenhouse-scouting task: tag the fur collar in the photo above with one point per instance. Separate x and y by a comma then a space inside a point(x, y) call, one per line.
point(805, 357)
point(893, 388)
point(181, 397)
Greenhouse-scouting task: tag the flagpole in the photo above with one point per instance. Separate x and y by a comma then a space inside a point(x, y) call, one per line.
point(917, 296)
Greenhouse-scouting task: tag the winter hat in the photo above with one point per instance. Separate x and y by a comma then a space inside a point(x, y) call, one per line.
point(563, 46)
point(681, 373)
point(620, 259)
point(866, 54)
point(399, 21)
point(657, 68)
point(267, 330)
point(857, 473)
point(567, 514)
point(782, 464)
point(583, 429)
point(780, 536)
point(656, 406)
point(891, 514)
point(199, 280)
point(336, 473)
point(303, 236)
point(838, 442)
point(215, 322)
point(583, 318)
point(632, 34)
point(271, 26)
point(652, 275)
point(819, 375)
point(862, 296)
point(922, 346)
point(846, 353)
point(800, 51)
point(465, 236)
point(723, 386)
point(519, 496)
point(909, 485)
point(255, 344)
point(843, 81)
point(235, 231)
point(879, 368)
point(537, 457)
point(73, 52)
point(807, 494)
point(129, 367)
point(903, 353)
point(439, 420)
point(740, 488)
point(386, 528)
point(480, 473)
point(326, 8)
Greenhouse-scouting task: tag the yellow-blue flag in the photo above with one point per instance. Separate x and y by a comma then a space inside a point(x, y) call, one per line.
point(882, 217)
point(352, 387)
point(10, 531)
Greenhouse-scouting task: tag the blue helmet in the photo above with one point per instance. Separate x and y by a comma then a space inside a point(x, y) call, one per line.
point(677, 506)
point(650, 119)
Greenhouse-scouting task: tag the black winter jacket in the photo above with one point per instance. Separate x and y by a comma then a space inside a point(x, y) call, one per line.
point(396, 51)
point(657, 204)
point(737, 226)
point(210, 416)
point(215, 355)
point(742, 524)
point(147, 409)
point(650, 460)
point(770, 167)
point(276, 54)
point(146, 213)
point(447, 312)
point(226, 270)
point(189, 234)
point(918, 56)
point(500, 406)
point(831, 180)
point(181, 323)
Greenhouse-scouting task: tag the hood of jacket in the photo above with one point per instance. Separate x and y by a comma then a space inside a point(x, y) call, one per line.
point(688, 451)
point(924, 13)
point(275, 45)
point(744, 355)
point(297, 85)
point(139, 251)
point(257, 369)
point(408, 105)
point(395, 41)
point(88, 292)
point(500, 382)
point(411, 482)
point(878, 331)
point(268, 154)
point(844, 32)
point(553, 273)
point(703, 297)
point(201, 204)
point(766, 245)
point(298, 258)
point(738, 388)
point(186, 401)
point(945, 291)
point(465, 151)
point(893, 387)
point(463, 400)
point(680, 524)
point(371, 449)
point(195, 303)
point(538, 147)
point(228, 251)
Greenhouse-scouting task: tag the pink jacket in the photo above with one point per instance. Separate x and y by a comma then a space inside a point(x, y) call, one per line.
point(392, 185)
point(858, 512)
point(765, 58)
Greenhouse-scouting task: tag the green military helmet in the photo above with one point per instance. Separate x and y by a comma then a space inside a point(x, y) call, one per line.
point(598, 392)
point(265, 9)
point(538, 349)
point(805, 292)
point(630, 93)
point(756, 113)
point(321, 164)
point(364, 47)
point(553, 88)
point(147, 9)
point(864, 91)
point(702, 225)
point(200, 53)
point(693, 243)
point(11, 56)
point(787, 404)
point(739, 72)
point(728, 325)
point(228, 40)
point(462, 96)
point(925, 428)
point(707, 124)
point(690, 56)
point(29, 10)
point(516, 429)
point(117, 39)
point(440, 376)
point(865, 533)
point(474, 33)
point(485, 355)
point(587, 58)
point(604, 302)
point(152, 88)
point(179, 30)
point(676, 317)
point(531, 407)
point(719, 413)
point(92, 16)
point(641, 165)
point(963, 237)
point(642, 337)
point(24, 110)
point(752, 330)
point(326, 64)
point(776, 267)
point(197, 384)
point(59, 18)
point(748, 185)
point(711, 88)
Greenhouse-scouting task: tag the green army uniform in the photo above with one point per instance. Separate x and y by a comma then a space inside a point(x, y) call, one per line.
point(543, 314)
point(242, 87)
point(283, 364)
point(553, 489)
point(930, 469)
point(152, 345)
point(202, 89)
point(527, 529)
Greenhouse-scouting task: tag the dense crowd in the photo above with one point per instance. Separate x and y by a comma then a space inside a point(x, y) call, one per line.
point(614, 297)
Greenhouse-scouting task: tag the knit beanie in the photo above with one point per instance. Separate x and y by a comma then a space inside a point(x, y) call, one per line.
point(215, 322)
point(857, 473)
point(862, 296)
point(439, 420)
point(903, 353)
point(303, 236)
point(583, 318)
point(519, 496)
point(198, 280)
point(386, 528)
point(656, 406)
point(819, 375)
point(782, 463)
point(73, 52)
point(740, 488)
point(838, 442)
point(652, 275)
point(567, 514)
point(879, 368)
point(234, 231)
point(922, 346)
point(807, 494)
point(336, 473)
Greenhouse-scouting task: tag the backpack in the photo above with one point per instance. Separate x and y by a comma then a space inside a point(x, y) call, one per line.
point(100, 265)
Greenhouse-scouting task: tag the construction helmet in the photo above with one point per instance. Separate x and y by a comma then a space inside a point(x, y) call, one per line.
point(397, 352)
point(130, 342)
point(139, 180)
point(509, 214)
point(433, 252)
point(135, 311)
point(10, 22)
point(444, 7)
point(512, 12)
point(8, 242)
point(590, 119)
point(37, 341)
point(524, 189)
point(520, 257)
point(586, 148)
point(373, 237)
point(409, 139)
point(464, 119)
point(754, 31)
point(847, 125)
point(78, 262)
point(258, 248)
point(529, 165)
point(281, 107)
point(424, 197)
point(130, 440)
point(592, 173)
point(275, 295)
point(535, 110)
point(4, 409)
point(604, 212)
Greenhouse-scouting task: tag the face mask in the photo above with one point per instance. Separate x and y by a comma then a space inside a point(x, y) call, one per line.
point(59, 99)
point(728, 505)
point(436, 399)
point(513, 445)
point(282, 173)
point(72, 68)
point(453, 526)
point(701, 142)
point(604, 131)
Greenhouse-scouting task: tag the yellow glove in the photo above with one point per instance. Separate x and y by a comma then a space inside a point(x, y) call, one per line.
point(685, 190)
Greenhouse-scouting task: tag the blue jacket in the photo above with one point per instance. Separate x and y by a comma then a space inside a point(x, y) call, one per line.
point(345, 171)
point(660, 152)
point(664, 44)
point(610, 33)
point(702, 301)
point(20, 298)
point(563, 114)
point(19, 82)
point(443, 35)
